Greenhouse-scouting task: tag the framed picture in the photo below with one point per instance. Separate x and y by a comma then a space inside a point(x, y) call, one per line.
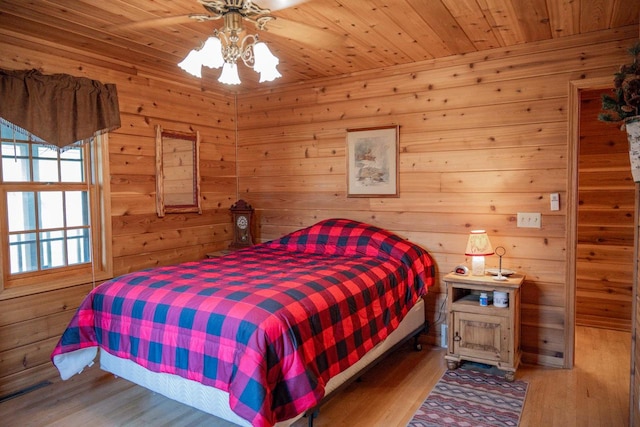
point(372, 162)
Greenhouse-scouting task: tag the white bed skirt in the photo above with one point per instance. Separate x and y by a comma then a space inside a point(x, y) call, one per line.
point(216, 402)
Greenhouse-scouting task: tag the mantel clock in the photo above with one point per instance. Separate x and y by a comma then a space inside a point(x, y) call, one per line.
point(242, 213)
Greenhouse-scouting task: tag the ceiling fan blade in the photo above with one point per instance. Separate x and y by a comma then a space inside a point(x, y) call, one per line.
point(274, 5)
point(307, 34)
point(159, 22)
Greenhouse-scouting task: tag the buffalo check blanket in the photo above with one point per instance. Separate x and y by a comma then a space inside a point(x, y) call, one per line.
point(270, 324)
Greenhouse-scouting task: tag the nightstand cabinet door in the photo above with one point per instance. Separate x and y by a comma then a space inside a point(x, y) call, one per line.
point(479, 336)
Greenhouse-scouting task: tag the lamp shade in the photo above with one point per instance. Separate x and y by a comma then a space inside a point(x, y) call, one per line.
point(211, 53)
point(229, 74)
point(478, 244)
point(265, 63)
point(269, 75)
point(192, 63)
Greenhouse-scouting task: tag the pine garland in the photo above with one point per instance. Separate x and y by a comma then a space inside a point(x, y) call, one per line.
point(625, 101)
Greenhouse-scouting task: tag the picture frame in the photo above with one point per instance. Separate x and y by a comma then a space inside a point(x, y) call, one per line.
point(177, 172)
point(372, 162)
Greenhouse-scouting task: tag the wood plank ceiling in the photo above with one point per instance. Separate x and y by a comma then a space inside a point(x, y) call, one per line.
point(314, 39)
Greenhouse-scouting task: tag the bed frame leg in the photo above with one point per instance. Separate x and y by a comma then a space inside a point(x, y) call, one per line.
point(425, 330)
point(416, 345)
point(311, 416)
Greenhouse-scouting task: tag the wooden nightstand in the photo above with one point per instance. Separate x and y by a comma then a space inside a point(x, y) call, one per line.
point(484, 334)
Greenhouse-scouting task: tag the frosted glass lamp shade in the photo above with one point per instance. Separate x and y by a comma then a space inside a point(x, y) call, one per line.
point(192, 63)
point(265, 63)
point(211, 53)
point(269, 75)
point(209, 56)
point(229, 75)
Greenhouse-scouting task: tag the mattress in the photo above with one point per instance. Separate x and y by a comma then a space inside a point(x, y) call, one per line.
point(216, 402)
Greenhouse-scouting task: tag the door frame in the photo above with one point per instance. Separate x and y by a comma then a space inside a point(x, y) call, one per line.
point(575, 86)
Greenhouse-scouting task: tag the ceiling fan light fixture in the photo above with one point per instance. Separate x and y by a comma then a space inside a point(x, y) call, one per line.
point(229, 75)
point(226, 47)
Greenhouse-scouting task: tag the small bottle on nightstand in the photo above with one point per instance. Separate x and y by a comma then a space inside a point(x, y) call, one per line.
point(484, 300)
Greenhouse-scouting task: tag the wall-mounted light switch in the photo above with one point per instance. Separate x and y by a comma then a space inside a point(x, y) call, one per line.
point(555, 201)
point(529, 220)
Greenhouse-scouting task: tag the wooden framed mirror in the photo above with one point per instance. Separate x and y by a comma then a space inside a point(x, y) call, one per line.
point(177, 172)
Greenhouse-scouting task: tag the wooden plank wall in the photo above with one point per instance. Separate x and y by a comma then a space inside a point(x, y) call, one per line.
point(634, 386)
point(605, 234)
point(31, 325)
point(482, 137)
point(634, 389)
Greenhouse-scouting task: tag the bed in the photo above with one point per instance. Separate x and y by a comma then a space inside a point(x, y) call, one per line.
point(261, 336)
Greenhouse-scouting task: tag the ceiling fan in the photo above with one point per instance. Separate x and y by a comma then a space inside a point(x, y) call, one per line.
point(217, 9)
point(231, 44)
point(260, 16)
point(249, 10)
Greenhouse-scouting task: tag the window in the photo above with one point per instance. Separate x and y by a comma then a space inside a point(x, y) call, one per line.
point(56, 231)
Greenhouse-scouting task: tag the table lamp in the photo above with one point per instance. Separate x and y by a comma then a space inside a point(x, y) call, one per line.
point(478, 247)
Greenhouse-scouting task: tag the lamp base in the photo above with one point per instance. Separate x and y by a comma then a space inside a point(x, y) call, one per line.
point(477, 266)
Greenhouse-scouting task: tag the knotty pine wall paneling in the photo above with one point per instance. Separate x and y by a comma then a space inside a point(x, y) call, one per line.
point(605, 223)
point(634, 384)
point(482, 137)
point(30, 325)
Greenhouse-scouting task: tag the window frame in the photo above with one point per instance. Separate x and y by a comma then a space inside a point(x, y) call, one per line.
point(101, 266)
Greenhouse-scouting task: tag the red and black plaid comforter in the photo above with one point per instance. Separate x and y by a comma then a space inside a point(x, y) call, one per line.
point(270, 324)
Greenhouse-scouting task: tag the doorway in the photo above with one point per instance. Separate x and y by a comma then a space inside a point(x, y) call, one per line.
point(577, 91)
point(604, 221)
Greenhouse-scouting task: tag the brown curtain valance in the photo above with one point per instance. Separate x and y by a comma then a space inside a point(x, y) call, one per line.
point(58, 109)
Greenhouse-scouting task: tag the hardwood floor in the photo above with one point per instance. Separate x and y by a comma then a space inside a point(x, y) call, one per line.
point(594, 393)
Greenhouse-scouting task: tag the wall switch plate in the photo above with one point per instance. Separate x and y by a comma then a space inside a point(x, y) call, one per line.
point(529, 220)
